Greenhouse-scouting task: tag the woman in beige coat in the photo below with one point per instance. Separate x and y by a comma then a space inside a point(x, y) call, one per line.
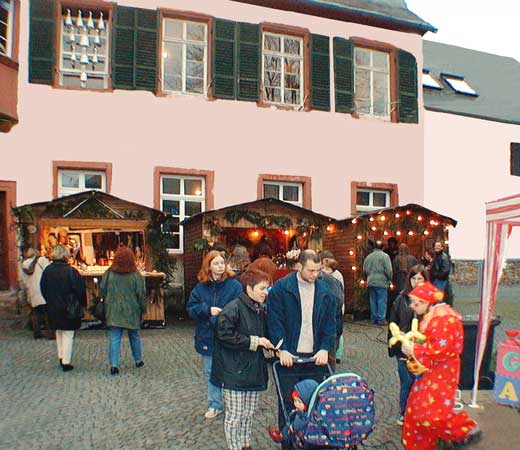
point(32, 268)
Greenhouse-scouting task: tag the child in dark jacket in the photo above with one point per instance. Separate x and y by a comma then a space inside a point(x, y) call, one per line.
point(295, 428)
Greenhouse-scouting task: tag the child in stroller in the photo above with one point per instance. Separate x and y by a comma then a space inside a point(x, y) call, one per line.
point(337, 413)
point(293, 431)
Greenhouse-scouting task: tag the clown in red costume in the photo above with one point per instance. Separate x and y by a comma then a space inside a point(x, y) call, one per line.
point(430, 414)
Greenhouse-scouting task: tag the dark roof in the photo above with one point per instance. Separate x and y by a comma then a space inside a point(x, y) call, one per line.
point(391, 14)
point(265, 203)
point(400, 209)
point(496, 79)
point(105, 206)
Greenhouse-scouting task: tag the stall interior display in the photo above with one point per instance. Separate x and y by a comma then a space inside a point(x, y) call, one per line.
point(265, 227)
point(93, 225)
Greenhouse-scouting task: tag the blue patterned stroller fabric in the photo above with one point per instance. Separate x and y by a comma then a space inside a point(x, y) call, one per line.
point(341, 413)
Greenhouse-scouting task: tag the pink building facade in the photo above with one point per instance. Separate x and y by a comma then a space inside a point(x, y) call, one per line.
point(186, 152)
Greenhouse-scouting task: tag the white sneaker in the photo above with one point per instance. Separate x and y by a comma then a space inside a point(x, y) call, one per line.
point(211, 413)
point(400, 421)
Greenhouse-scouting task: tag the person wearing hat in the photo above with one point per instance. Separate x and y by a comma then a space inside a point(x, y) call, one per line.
point(293, 431)
point(430, 413)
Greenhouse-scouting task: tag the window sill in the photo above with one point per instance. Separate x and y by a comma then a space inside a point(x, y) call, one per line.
point(9, 62)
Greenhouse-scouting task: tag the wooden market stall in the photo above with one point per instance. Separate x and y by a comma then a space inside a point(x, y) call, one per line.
point(266, 225)
point(93, 224)
point(411, 224)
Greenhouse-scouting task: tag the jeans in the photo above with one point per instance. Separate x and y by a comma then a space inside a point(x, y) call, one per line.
point(406, 380)
point(440, 284)
point(378, 298)
point(114, 348)
point(214, 392)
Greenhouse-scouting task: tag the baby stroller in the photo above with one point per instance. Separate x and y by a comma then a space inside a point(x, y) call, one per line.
point(340, 414)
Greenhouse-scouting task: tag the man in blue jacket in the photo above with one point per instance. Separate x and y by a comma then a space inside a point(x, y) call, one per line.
point(302, 311)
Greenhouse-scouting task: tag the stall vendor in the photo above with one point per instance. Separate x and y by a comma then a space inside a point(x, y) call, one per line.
point(430, 413)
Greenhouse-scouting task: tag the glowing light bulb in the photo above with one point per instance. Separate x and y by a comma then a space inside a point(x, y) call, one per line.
point(419, 218)
point(385, 233)
point(373, 228)
point(426, 232)
point(382, 218)
point(359, 237)
point(286, 232)
point(351, 252)
point(408, 212)
point(398, 233)
point(371, 219)
point(410, 233)
point(354, 221)
point(354, 268)
point(397, 215)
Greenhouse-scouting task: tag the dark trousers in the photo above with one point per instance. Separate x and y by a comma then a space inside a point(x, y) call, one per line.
point(288, 377)
point(39, 320)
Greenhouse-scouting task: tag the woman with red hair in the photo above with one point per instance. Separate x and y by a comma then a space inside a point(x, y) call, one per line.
point(124, 292)
point(215, 289)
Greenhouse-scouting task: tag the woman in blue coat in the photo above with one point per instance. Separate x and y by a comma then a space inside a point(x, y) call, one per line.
point(215, 289)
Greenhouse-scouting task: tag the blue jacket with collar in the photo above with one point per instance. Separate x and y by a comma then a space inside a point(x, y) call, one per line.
point(284, 315)
point(202, 298)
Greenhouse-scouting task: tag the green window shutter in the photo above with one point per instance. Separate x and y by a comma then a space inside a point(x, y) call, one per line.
point(407, 87)
point(320, 72)
point(146, 50)
point(248, 60)
point(134, 49)
point(344, 75)
point(42, 41)
point(224, 59)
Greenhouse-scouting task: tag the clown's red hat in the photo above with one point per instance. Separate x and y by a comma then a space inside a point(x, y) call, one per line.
point(427, 292)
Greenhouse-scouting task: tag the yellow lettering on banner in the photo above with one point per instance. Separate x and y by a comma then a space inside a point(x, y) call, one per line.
point(509, 392)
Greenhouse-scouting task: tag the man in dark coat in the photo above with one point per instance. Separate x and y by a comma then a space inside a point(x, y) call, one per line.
point(301, 311)
point(441, 267)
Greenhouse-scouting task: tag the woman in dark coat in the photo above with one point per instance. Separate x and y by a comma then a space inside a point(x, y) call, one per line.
point(402, 314)
point(239, 365)
point(215, 289)
point(124, 291)
point(64, 291)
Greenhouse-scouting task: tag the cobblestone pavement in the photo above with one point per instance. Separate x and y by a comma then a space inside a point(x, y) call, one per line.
point(160, 406)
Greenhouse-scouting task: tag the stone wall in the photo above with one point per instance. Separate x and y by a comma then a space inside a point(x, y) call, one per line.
point(466, 278)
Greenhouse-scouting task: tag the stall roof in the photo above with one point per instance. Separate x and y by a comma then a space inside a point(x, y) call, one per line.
point(265, 203)
point(390, 14)
point(409, 206)
point(92, 205)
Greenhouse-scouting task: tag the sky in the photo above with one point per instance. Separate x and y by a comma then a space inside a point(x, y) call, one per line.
point(487, 25)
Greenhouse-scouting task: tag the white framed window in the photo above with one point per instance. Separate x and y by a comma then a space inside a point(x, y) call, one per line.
point(282, 69)
point(372, 83)
point(370, 199)
point(84, 48)
point(74, 181)
point(184, 56)
point(288, 192)
point(182, 197)
point(6, 27)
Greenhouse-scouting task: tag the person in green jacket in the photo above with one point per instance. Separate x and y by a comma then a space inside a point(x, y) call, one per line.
point(378, 269)
point(124, 292)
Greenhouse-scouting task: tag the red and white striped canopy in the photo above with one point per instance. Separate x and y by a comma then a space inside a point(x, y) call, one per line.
point(501, 216)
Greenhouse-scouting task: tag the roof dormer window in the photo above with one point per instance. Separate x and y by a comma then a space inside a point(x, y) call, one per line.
point(430, 82)
point(458, 84)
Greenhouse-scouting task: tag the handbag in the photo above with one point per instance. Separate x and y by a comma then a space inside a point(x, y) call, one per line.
point(99, 311)
point(73, 307)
